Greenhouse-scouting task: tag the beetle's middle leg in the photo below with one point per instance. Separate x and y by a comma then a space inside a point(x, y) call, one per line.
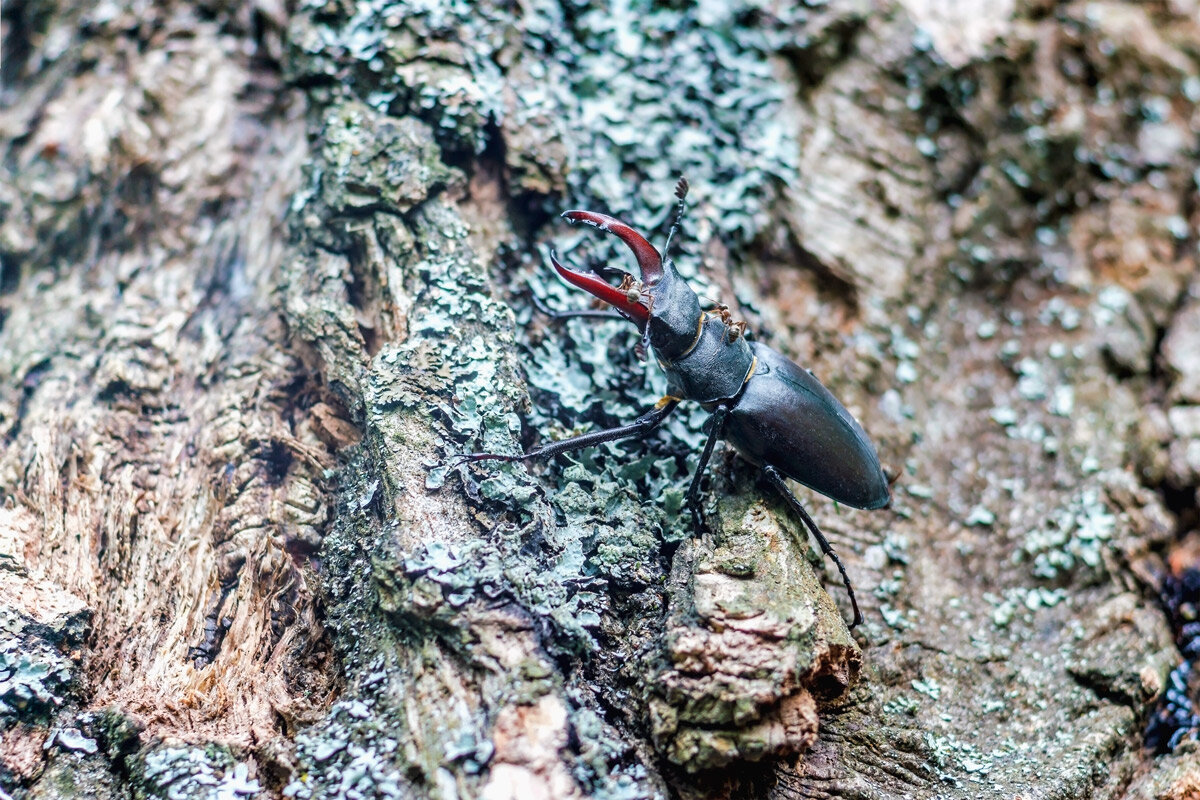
point(777, 481)
point(640, 428)
point(719, 415)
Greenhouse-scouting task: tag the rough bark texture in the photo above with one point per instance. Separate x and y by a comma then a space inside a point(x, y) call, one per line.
point(267, 269)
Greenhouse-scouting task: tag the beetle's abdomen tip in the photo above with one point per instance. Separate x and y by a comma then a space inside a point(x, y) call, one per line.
point(881, 496)
point(889, 479)
point(883, 502)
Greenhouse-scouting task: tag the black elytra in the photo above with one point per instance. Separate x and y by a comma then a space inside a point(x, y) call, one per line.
point(774, 413)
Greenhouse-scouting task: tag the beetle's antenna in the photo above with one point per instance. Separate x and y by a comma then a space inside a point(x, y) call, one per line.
point(681, 190)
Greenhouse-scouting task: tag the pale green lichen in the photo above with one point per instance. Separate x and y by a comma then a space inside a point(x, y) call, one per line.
point(36, 679)
point(1073, 538)
point(194, 773)
point(348, 756)
point(422, 82)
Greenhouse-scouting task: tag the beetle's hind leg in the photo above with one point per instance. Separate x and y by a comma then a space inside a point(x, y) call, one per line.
point(640, 428)
point(776, 480)
point(717, 427)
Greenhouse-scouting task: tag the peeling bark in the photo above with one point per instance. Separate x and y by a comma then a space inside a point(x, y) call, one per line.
point(267, 270)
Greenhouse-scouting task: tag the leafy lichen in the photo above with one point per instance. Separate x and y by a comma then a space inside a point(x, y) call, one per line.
point(195, 773)
point(36, 678)
point(582, 545)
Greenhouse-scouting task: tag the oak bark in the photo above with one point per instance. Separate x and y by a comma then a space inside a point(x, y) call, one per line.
point(267, 269)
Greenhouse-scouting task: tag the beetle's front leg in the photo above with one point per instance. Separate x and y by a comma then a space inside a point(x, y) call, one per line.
point(717, 427)
point(575, 313)
point(639, 428)
point(640, 349)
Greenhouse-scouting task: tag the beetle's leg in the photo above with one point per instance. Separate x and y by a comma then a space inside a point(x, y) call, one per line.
point(629, 304)
point(640, 427)
point(777, 481)
point(588, 313)
point(693, 495)
point(640, 349)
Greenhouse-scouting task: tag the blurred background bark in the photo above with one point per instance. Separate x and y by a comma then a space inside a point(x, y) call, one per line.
point(265, 268)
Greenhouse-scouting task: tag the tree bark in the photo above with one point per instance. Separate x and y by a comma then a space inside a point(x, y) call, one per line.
point(267, 270)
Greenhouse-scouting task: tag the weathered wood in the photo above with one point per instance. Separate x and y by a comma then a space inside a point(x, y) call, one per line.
point(266, 270)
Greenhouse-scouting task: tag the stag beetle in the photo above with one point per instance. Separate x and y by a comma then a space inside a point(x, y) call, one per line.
point(775, 414)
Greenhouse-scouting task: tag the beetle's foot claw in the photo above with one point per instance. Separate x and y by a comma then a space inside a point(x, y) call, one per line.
point(471, 458)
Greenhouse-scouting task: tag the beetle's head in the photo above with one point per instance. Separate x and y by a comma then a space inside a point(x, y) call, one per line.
point(661, 304)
